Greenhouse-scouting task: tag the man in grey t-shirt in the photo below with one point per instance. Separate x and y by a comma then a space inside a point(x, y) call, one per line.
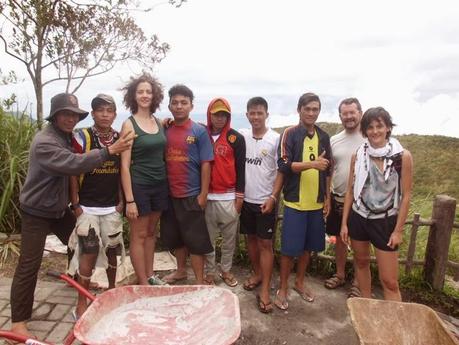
point(343, 145)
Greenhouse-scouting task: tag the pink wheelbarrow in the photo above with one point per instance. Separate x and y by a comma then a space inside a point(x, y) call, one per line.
point(172, 315)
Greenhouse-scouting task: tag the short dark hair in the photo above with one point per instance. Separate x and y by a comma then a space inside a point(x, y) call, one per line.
point(349, 101)
point(131, 88)
point(308, 97)
point(180, 89)
point(379, 114)
point(254, 101)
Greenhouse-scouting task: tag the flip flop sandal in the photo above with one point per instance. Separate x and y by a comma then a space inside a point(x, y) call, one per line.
point(304, 295)
point(172, 280)
point(229, 279)
point(334, 282)
point(249, 286)
point(281, 303)
point(265, 308)
point(209, 280)
point(354, 291)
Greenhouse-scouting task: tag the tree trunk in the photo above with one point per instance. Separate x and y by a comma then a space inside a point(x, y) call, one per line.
point(39, 97)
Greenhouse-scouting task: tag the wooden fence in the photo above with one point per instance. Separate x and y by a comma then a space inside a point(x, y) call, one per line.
point(441, 227)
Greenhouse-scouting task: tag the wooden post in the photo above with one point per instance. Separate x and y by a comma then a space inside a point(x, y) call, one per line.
point(443, 213)
point(412, 245)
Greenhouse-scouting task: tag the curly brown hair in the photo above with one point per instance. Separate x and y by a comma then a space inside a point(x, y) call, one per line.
point(131, 88)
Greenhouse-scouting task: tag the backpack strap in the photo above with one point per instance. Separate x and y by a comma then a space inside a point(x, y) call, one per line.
point(86, 148)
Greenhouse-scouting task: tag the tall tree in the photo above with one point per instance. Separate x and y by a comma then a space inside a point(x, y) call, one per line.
point(73, 41)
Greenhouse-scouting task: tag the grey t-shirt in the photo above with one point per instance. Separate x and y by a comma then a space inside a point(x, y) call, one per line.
point(343, 145)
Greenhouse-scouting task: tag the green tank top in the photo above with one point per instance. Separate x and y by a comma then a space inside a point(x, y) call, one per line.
point(147, 156)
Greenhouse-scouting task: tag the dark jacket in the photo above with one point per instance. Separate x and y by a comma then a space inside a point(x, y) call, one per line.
point(51, 161)
point(291, 150)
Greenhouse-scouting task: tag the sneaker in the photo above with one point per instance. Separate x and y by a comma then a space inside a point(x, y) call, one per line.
point(155, 280)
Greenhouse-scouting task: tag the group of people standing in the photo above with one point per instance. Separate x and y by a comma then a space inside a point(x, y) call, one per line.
point(201, 180)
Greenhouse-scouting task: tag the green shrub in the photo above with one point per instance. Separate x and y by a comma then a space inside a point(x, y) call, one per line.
point(16, 133)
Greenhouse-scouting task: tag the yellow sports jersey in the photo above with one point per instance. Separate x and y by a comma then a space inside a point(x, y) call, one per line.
point(309, 180)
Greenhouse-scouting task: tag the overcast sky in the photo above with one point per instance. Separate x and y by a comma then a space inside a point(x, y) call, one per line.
point(402, 55)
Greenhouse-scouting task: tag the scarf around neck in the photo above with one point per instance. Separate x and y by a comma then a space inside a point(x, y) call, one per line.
point(362, 162)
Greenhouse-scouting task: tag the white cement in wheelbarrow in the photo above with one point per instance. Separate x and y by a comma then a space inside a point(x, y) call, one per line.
point(196, 317)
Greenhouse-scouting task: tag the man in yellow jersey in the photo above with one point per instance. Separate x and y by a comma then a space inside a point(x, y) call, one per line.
point(304, 159)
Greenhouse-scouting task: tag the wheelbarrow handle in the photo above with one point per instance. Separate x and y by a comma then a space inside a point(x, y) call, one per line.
point(81, 290)
point(21, 338)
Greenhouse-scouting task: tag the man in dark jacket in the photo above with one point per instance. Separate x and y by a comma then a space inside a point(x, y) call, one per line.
point(44, 197)
point(304, 156)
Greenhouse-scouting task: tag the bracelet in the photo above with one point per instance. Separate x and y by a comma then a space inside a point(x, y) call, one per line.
point(130, 202)
point(73, 207)
point(273, 197)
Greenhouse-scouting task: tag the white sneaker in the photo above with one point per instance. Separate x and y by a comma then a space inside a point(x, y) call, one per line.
point(155, 280)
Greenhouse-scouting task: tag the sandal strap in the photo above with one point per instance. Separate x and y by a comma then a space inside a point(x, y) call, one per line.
point(334, 281)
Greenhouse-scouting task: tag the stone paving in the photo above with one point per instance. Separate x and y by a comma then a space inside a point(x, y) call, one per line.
point(52, 315)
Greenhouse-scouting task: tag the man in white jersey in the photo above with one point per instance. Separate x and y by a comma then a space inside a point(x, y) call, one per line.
point(262, 189)
point(343, 145)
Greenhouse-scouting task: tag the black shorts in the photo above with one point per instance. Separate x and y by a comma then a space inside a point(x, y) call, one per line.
point(333, 226)
point(253, 222)
point(184, 224)
point(150, 198)
point(376, 231)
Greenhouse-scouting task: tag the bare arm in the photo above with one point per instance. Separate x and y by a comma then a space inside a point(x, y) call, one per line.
point(269, 203)
point(407, 186)
point(126, 182)
point(205, 181)
point(74, 199)
point(348, 199)
point(120, 206)
point(327, 201)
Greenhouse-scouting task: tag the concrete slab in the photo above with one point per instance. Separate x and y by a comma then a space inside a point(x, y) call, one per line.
point(59, 312)
point(42, 311)
point(59, 333)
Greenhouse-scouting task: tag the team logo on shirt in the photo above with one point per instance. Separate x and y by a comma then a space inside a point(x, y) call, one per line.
point(232, 138)
point(191, 139)
point(264, 152)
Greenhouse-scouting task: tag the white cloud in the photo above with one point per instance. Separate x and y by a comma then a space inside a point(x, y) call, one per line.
point(402, 55)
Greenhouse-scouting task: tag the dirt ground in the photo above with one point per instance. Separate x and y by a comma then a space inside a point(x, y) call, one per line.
point(325, 321)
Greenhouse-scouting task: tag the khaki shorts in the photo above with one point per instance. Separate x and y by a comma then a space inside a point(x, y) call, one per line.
point(109, 231)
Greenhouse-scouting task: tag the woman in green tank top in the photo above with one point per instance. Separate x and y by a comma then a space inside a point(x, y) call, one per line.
point(143, 173)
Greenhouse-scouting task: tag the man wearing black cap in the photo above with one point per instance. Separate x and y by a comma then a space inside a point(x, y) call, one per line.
point(44, 197)
point(98, 234)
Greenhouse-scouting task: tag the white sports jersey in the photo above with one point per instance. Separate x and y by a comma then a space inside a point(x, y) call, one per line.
point(260, 165)
point(343, 145)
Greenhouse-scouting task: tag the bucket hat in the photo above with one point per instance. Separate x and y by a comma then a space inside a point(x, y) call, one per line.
point(65, 101)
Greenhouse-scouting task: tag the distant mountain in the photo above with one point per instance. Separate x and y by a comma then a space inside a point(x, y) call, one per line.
point(435, 157)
